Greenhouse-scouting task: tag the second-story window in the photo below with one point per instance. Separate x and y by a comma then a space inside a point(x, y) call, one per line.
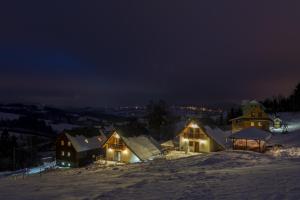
point(69, 143)
point(69, 154)
point(62, 143)
point(62, 153)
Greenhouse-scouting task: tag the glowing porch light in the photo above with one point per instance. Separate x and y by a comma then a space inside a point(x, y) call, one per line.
point(117, 136)
point(185, 140)
point(110, 149)
point(202, 141)
point(125, 151)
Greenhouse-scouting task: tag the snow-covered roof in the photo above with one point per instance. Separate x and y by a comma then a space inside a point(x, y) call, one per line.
point(217, 135)
point(168, 143)
point(142, 146)
point(252, 133)
point(85, 142)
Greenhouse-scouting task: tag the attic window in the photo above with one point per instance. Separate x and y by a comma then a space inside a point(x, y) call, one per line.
point(86, 141)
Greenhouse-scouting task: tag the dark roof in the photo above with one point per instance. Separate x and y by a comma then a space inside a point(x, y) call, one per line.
point(252, 133)
point(249, 118)
point(84, 131)
point(85, 139)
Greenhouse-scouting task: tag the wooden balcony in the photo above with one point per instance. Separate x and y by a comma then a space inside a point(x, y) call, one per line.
point(118, 146)
point(194, 136)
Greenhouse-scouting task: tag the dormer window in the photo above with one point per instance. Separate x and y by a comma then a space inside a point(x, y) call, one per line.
point(62, 143)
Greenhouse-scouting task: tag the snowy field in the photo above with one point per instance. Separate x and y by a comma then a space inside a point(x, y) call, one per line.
point(223, 175)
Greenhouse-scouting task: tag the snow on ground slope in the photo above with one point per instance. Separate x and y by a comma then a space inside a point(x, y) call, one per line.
point(8, 116)
point(223, 175)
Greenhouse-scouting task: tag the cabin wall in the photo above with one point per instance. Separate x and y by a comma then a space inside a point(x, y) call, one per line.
point(66, 156)
point(241, 124)
point(125, 156)
point(195, 145)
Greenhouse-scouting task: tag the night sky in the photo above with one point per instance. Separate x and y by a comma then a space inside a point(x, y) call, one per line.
point(108, 53)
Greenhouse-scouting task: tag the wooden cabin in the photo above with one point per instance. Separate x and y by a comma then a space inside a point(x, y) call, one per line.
point(78, 147)
point(252, 139)
point(253, 116)
point(120, 147)
point(194, 137)
point(277, 123)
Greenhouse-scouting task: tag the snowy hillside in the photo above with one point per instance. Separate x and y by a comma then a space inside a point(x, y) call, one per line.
point(224, 175)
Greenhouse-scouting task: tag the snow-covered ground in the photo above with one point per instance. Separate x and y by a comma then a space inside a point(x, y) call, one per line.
point(63, 126)
point(223, 175)
point(291, 119)
point(8, 116)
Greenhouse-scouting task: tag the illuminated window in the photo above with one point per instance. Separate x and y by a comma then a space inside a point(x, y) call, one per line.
point(62, 153)
point(252, 124)
point(63, 163)
point(69, 154)
point(69, 165)
point(259, 124)
point(62, 143)
point(69, 143)
point(86, 141)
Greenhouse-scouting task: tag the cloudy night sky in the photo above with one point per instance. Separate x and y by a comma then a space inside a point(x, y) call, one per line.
point(108, 53)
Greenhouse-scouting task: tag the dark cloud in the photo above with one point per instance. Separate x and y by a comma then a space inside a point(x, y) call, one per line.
point(116, 53)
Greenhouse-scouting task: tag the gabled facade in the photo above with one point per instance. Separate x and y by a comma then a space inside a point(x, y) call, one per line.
point(253, 116)
point(78, 147)
point(134, 149)
point(195, 138)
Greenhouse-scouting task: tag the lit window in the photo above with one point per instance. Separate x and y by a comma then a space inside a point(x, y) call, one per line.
point(63, 163)
point(86, 141)
point(62, 143)
point(69, 143)
point(259, 124)
point(62, 153)
point(69, 154)
point(69, 165)
point(252, 124)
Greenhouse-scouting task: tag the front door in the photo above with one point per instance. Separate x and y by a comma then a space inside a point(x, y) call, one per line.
point(117, 156)
point(197, 147)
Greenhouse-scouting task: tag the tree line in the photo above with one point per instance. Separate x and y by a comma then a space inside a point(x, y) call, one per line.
point(281, 103)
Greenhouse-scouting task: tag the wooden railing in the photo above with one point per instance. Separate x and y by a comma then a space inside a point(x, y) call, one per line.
point(118, 146)
point(194, 136)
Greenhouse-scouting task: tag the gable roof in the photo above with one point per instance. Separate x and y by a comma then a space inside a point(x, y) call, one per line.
point(85, 139)
point(213, 133)
point(217, 135)
point(252, 133)
point(144, 147)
